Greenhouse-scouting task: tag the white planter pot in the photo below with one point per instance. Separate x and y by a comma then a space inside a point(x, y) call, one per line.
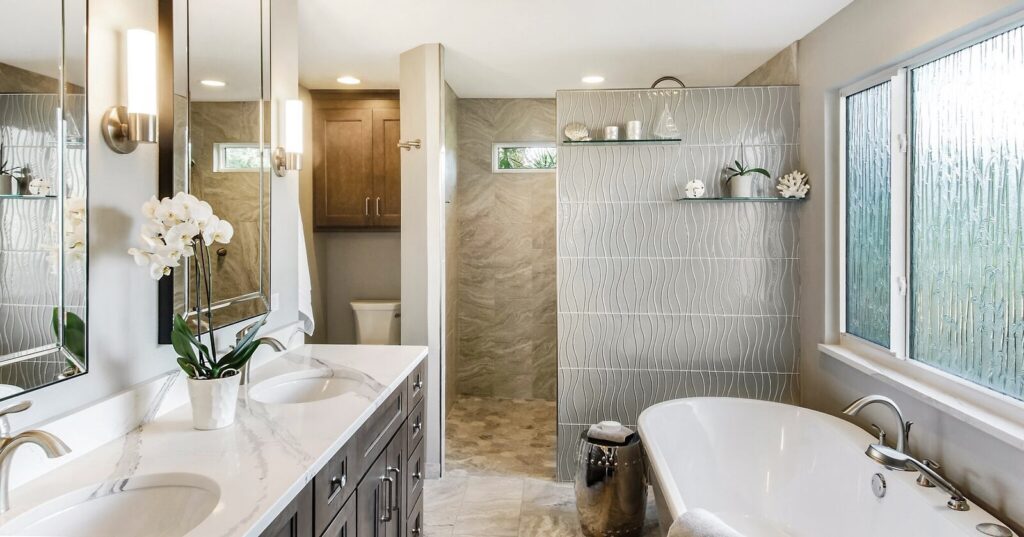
point(741, 186)
point(6, 184)
point(214, 402)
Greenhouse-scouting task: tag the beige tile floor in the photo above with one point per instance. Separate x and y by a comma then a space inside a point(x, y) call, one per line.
point(498, 480)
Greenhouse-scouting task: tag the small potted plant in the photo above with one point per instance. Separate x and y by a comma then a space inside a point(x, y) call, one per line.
point(740, 179)
point(181, 230)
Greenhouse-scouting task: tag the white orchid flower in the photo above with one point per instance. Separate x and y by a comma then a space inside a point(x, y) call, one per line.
point(201, 214)
point(168, 255)
point(170, 212)
point(153, 233)
point(218, 230)
point(157, 271)
point(149, 208)
point(181, 234)
point(186, 203)
point(142, 258)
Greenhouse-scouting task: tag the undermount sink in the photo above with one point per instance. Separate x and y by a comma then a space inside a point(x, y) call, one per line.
point(312, 385)
point(153, 505)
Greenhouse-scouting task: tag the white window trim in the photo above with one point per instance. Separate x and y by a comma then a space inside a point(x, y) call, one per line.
point(498, 145)
point(997, 414)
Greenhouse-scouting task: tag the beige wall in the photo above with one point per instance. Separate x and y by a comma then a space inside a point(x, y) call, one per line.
point(861, 39)
point(507, 299)
point(780, 70)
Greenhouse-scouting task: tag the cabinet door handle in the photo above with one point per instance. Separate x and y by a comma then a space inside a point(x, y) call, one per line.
point(378, 205)
point(417, 425)
point(337, 484)
point(366, 206)
point(394, 489)
point(390, 484)
point(417, 386)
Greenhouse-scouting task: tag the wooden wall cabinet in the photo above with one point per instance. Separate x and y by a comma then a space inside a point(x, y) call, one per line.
point(357, 166)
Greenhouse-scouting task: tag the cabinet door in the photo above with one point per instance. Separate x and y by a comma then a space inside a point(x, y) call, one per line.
point(297, 518)
point(396, 456)
point(373, 497)
point(343, 168)
point(387, 168)
point(343, 525)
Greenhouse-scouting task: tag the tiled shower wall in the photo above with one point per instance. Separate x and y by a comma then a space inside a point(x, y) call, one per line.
point(661, 299)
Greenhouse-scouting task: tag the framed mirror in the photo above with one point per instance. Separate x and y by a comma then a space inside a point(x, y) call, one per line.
point(43, 194)
point(217, 90)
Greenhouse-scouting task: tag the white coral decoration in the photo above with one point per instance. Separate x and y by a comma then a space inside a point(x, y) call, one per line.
point(793, 185)
point(176, 227)
point(695, 189)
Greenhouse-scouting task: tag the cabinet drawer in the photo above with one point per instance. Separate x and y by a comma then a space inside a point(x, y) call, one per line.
point(414, 524)
point(414, 427)
point(417, 383)
point(415, 472)
point(343, 525)
point(333, 485)
point(379, 429)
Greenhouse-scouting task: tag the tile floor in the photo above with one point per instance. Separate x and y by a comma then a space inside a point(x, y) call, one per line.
point(498, 483)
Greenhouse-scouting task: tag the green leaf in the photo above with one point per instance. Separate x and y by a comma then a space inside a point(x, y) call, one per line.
point(761, 171)
point(182, 328)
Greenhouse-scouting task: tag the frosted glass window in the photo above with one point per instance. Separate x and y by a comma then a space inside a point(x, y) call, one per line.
point(868, 214)
point(967, 202)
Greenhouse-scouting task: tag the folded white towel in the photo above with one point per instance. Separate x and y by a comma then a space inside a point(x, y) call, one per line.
point(610, 431)
point(701, 523)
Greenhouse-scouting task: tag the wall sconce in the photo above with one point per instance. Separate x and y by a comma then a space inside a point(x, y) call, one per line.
point(289, 157)
point(124, 127)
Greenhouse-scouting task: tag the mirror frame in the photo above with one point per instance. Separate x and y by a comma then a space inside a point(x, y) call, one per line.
point(166, 187)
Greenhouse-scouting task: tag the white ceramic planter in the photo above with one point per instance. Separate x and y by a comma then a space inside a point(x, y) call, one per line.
point(6, 184)
point(214, 402)
point(741, 186)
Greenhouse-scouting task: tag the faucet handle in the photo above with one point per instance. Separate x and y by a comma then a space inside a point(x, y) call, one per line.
point(5, 425)
point(880, 432)
point(923, 479)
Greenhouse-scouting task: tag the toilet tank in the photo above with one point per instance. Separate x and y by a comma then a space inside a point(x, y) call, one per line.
point(378, 322)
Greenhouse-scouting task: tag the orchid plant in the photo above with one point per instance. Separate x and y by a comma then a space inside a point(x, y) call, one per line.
point(181, 230)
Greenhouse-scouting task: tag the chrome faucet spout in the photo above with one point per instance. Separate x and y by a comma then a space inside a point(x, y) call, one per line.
point(858, 405)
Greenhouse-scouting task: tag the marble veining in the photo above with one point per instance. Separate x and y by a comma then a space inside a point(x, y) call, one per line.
point(260, 463)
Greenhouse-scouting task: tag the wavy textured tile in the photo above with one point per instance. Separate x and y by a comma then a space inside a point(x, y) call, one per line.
point(660, 299)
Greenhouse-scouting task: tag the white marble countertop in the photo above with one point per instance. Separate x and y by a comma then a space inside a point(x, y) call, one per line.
point(261, 462)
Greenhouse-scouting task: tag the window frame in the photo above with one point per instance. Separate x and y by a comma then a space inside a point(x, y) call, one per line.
point(218, 157)
point(997, 413)
point(497, 146)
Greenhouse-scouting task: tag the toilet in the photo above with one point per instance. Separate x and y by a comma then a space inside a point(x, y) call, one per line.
point(378, 322)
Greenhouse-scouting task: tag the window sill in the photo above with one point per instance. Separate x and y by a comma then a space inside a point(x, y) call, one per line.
point(990, 412)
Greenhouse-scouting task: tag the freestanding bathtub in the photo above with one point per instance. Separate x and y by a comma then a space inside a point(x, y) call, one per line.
point(773, 470)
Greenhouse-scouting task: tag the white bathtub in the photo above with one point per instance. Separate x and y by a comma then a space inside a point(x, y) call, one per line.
point(769, 470)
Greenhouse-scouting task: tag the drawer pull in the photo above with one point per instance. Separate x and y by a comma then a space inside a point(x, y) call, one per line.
point(417, 425)
point(418, 385)
point(337, 485)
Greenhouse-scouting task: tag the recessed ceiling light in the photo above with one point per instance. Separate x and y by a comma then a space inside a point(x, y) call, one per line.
point(593, 79)
point(349, 80)
point(213, 83)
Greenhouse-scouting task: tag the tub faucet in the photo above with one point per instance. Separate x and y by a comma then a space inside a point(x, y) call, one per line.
point(903, 439)
point(51, 445)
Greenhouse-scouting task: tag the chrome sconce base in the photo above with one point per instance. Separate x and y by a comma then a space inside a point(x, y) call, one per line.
point(284, 162)
point(124, 131)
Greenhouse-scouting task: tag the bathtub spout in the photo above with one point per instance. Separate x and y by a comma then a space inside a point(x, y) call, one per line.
point(858, 405)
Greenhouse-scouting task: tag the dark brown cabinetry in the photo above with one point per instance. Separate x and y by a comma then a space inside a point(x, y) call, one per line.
point(357, 168)
point(373, 485)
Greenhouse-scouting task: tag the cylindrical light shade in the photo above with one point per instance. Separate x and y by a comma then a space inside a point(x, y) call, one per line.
point(293, 126)
point(141, 71)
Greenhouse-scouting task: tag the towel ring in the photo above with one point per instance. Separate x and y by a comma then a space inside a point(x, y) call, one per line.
point(668, 79)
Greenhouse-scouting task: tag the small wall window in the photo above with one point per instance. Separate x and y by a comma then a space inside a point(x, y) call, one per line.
point(511, 157)
point(239, 157)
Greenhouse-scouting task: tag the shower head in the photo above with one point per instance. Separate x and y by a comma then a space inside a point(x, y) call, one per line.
point(889, 457)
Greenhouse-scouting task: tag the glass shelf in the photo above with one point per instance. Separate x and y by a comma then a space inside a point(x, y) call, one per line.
point(653, 141)
point(761, 198)
point(26, 197)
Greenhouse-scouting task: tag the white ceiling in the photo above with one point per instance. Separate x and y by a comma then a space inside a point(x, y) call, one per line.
point(530, 48)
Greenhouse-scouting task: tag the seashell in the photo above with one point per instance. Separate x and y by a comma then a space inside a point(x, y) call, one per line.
point(577, 132)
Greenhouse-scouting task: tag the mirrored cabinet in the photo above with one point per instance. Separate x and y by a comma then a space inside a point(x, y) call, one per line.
point(43, 193)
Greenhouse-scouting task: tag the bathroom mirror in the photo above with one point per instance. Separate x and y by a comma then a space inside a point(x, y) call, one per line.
point(43, 193)
point(217, 86)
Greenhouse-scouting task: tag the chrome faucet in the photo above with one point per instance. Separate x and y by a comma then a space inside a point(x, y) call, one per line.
point(265, 340)
point(51, 445)
point(903, 439)
point(900, 458)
